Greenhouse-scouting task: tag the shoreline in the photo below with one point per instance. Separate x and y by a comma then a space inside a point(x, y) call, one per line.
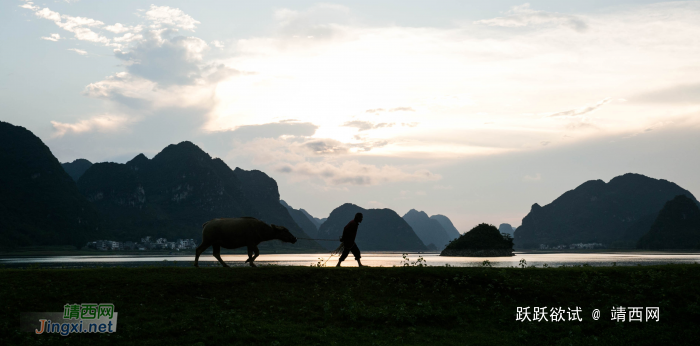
point(56, 252)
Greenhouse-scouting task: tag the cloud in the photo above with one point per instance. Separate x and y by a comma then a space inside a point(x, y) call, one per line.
point(366, 125)
point(397, 109)
point(143, 96)
point(305, 158)
point(79, 51)
point(217, 44)
point(523, 15)
point(118, 28)
point(122, 86)
point(580, 111)
point(402, 109)
point(102, 123)
point(30, 6)
point(367, 145)
point(166, 61)
point(163, 68)
point(165, 21)
point(128, 38)
point(273, 130)
point(685, 93)
point(281, 145)
point(269, 152)
point(46, 13)
point(164, 16)
point(79, 26)
point(581, 124)
point(215, 73)
point(536, 177)
point(321, 21)
point(452, 80)
point(53, 37)
point(469, 76)
point(651, 127)
point(443, 187)
point(354, 173)
point(326, 147)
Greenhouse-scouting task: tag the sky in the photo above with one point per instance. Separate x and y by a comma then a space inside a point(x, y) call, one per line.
point(474, 110)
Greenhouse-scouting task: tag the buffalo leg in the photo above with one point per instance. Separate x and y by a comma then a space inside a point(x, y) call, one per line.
point(257, 252)
point(250, 254)
point(251, 258)
point(199, 251)
point(217, 254)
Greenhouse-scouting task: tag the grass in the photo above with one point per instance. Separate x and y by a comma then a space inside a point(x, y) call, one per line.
point(273, 305)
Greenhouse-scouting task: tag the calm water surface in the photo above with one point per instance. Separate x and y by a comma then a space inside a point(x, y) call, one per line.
point(371, 259)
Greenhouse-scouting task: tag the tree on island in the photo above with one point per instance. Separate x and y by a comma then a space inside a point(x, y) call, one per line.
point(482, 240)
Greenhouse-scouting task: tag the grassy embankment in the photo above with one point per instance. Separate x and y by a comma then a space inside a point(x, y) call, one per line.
point(351, 306)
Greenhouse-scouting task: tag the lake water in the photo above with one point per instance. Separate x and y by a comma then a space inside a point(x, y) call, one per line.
point(370, 259)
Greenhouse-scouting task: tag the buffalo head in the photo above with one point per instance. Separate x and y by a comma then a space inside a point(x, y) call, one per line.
point(283, 234)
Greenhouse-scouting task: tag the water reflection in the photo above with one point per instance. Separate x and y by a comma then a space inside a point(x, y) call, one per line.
point(370, 259)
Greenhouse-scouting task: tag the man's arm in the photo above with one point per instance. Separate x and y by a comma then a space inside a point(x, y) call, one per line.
point(345, 231)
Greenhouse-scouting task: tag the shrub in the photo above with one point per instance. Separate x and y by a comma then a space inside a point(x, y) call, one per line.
point(483, 236)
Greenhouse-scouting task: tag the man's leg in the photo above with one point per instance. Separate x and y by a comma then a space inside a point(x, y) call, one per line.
point(346, 251)
point(356, 252)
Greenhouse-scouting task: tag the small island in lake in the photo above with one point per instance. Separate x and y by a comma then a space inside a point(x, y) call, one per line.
point(483, 240)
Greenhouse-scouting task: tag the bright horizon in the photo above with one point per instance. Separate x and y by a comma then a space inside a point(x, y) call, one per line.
point(473, 111)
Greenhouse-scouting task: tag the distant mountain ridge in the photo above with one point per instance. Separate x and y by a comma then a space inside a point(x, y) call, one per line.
point(39, 202)
point(446, 223)
point(178, 190)
point(381, 229)
point(506, 228)
point(302, 220)
point(317, 221)
point(76, 168)
point(610, 213)
point(430, 231)
point(676, 227)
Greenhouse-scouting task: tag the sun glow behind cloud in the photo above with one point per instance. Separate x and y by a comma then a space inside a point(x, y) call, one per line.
point(543, 79)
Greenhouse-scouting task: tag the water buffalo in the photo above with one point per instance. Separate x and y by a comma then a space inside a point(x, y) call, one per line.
point(239, 232)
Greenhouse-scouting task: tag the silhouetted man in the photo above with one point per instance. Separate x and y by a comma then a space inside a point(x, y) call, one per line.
point(348, 239)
